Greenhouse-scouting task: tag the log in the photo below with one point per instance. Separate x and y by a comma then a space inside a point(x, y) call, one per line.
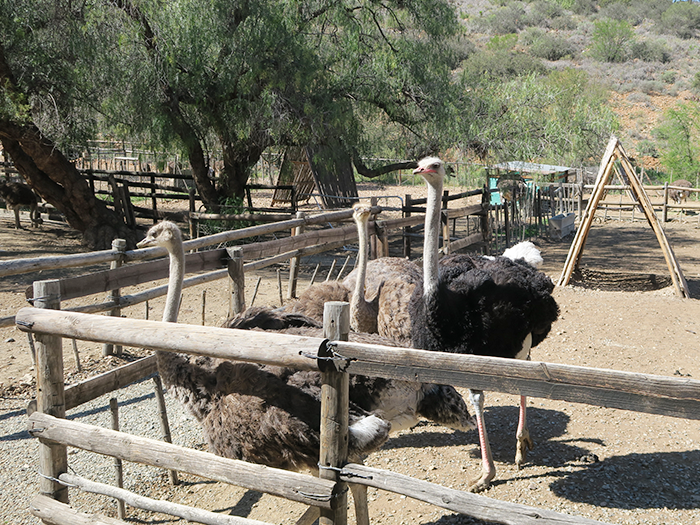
point(54, 262)
point(54, 512)
point(154, 505)
point(653, 394)
point(99, 385)
point(290, 485)
point(224, 343)
point(479, 507)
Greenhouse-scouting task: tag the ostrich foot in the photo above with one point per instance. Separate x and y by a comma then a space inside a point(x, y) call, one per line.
point(483, 482)
point(524, 444)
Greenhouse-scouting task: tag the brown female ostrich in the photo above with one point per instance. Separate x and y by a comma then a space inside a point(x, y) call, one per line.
point(490, 306)
point(679, 196)
point(15, 195)
point(261, 414)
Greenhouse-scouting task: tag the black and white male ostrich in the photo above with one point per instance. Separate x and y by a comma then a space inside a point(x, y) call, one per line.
point(491, 306)
point(261, 414)
point(16, 195)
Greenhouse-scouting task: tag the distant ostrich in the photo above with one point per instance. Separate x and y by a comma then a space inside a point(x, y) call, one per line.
point(16, 195)
point(261, 414)
point(679, 196)
point(478, 305)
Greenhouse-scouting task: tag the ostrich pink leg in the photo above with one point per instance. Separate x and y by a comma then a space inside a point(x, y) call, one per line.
point(488, 469)
point(523, 435)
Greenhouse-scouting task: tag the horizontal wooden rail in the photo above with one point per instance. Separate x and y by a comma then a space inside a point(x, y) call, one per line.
point(240, 345)
point(35, 264)
point(669, 396)
point(257, 217)
point(166, 507)
point(53, 512)
point(479, 507)
point(291, 485)
point(101, 384)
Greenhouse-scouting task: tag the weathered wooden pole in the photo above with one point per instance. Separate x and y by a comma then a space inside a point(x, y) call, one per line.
point(407, 229)
point(53, 459)
point(164, 425)
point(294, 262)
point(445, 224)
point(118, 246)
point(334, 413)
point(114, 409)
point(237, 275)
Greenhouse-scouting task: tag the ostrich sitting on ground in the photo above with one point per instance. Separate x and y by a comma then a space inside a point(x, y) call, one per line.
point(478, 305)
point(679, 196)
point(261, 414)
point(16, 194)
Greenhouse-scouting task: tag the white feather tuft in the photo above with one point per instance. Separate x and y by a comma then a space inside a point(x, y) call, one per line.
point(367, 429)
point(525, 250)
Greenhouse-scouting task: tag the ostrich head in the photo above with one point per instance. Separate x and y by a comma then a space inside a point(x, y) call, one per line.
point(361, 212)
point(165, 234)
point(432, 169)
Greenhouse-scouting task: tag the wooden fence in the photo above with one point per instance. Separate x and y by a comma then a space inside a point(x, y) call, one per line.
point(677, 397)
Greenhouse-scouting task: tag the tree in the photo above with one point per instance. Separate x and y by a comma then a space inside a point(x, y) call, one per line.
point(37, 156)
point(679, 135)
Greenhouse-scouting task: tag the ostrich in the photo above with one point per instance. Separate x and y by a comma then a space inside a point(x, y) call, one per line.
point(17, 194)
point(261, 414)
point(478, 305)
point(679, 196)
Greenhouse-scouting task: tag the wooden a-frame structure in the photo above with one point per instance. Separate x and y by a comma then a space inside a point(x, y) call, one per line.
point(616, 153)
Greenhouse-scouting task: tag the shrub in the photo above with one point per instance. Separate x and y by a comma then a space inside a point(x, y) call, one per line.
point(695, 84)
point(508, 19)
point(502, 42)
point(681, 19)
point(501, 65)
point(647, 148)
point(650, 51)
point(583, 7)
point(551, 47)
point(563, 23)
point(529, 35)
point(611, 40)
point(669, 77)
point(621, 11)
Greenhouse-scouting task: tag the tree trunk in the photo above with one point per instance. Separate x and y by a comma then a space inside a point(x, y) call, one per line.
point(59, 183)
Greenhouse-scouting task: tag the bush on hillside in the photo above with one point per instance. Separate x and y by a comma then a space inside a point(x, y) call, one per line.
point(551, 47)
point(611, 40)
point(650, 51)
point(500, 65)
point(681, 19)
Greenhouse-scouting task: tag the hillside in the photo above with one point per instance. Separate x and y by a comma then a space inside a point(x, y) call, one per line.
point(656, 68)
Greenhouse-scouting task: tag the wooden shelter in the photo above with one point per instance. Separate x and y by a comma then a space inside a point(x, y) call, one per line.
point(326, 168)
point(615, 160)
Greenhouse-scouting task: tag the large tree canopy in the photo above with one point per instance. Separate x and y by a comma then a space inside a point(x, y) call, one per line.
point(227, 79)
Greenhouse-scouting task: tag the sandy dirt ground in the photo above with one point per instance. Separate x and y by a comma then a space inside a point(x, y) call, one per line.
point(611, 465)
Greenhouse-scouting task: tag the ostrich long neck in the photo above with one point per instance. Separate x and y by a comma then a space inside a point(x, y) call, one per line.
point(175, 278)
point(358, 296)
point(431, 237)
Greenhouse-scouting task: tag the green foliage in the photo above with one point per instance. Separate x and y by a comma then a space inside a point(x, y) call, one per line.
point(551, 47)
point(650, 51)
point(508, 19)
point(502, 42)
point(679, 139)
point(681, 19)
point(581, 7)
point(695, 84)
point(669, 77)
point(499, 65)
point(611, 40)
point(647, 148)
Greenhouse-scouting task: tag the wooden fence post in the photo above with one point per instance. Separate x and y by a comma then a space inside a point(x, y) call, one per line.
point(119, 247)
point(164, 425)
point(373, 234)
point(407, 229)
point(485, 230)
point(665, 208)
point(335, 395)
point(237, 275)
point(154, 203)
point(445, 224)
point(53, 459)
point(294, 262)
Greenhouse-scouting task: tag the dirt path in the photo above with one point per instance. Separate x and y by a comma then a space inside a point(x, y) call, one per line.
point(606, 464)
